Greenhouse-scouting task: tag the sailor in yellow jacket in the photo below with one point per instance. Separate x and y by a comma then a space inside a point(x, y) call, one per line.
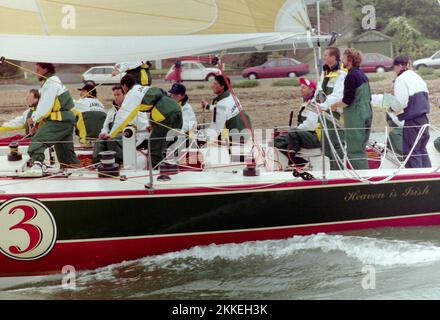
point(56, 119)
point(21, 122)
point(333, 86)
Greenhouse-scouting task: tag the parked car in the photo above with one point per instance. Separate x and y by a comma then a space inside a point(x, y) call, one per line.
point(192, 71)
point(432, 62)
point(277, 68)
point(376, 62)
point(102, 74)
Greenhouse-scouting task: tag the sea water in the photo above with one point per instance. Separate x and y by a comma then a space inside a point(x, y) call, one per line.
point(372, 264)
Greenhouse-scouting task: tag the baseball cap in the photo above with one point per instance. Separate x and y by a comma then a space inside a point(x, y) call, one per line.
point(178, 88)
point(90, 87)
point(308, 83)
point(401, 60)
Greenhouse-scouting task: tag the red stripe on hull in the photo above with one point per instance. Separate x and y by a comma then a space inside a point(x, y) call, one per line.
point(89, 255)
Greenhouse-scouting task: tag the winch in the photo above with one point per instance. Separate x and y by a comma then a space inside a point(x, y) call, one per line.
point(14, 155)
point(108, 167)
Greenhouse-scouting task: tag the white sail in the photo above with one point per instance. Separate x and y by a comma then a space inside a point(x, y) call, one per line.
point(104, 31)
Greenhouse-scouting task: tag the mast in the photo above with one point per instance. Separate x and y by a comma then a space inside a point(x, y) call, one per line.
point(318, 68)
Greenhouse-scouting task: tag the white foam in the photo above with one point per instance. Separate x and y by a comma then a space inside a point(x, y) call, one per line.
point(371, 251)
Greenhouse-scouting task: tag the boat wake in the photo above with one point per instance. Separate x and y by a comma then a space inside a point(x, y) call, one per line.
point(263, 266)
point(371, 251)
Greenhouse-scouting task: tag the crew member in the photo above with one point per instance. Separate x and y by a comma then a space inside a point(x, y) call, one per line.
point(358, 113)
point(92, 112)
point(412, 94)
point(305, 134)
point(166, 115)
point(55, 119)
point(140, 70)
point(178, 93)
point(333, 87)
point(107, 144)
point(227, 114)
point(21, 122)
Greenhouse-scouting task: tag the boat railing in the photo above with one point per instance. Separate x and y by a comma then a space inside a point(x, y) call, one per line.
point(232, 152)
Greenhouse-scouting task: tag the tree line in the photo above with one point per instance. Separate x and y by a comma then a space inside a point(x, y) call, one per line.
point(413, 24)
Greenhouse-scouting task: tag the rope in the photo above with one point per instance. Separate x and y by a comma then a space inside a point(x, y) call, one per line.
point(353, 173)
point(340, 162)
point(30, 180)
point(39, 75)
point(242, 115)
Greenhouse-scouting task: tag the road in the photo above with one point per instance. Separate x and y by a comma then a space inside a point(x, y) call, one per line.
point(73, 80)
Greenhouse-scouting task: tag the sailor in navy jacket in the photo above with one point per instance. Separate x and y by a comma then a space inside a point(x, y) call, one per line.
point(412, 95)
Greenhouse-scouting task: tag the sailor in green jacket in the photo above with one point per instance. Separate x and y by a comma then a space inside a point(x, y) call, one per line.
point(105, 143)
point(92, 111)
point(227, 114)
point(333, 88)
point(21, 122)
point(55, 119)
point(358, 114)
point(165, 115)
point(140, 70)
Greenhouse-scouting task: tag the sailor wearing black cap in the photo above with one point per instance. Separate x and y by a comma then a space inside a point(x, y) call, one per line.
point(178, 93)
point(412, 94)
point(90, 112)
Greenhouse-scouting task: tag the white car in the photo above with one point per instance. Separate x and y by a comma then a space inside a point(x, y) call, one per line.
point(193, 71)
point(433, 62)
point(102, 75)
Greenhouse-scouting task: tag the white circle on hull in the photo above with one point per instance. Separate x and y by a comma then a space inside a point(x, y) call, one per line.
point(27, 228)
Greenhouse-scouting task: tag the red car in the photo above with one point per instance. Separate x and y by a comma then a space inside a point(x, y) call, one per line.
point(376, 62)
point(277, 68)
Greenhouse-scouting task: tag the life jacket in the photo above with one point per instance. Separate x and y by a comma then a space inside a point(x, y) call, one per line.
point(330, 76)
point(159, 104)
point(63, 103)
point(28, 116)
point(93, 114)
point(306, 100)
point(142, 74)
point(234, 118)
